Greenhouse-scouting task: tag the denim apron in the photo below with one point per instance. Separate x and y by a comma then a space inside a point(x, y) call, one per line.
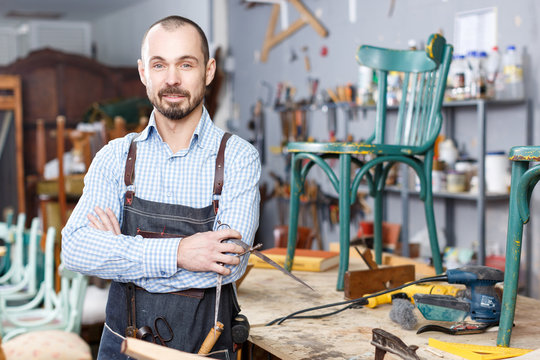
point(179, 320)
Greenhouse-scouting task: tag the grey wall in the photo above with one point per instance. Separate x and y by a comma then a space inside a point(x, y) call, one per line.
point(118, 35)
point(411, 19)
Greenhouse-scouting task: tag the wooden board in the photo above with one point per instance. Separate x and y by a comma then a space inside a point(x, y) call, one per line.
point(361, 282)
point(144, 350)
point(268, 294)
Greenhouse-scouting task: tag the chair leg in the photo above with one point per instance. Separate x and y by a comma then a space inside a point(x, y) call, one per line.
point(377, 226)
point(296, 187)
point(432, 231)
point(513, 257)
point(344, 217)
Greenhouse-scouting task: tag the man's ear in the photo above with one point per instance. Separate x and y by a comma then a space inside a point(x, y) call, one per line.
point(210, 71)
point(140, 68)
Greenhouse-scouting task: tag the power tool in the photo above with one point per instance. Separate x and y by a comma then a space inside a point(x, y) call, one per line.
point(411, 290)
point(479, 301)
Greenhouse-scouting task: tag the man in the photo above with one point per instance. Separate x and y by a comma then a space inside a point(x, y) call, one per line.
point(151, 217)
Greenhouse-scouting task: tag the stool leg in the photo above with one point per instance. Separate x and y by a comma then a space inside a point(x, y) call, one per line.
point(296, 188)
point(344, 217)
point(513, 256)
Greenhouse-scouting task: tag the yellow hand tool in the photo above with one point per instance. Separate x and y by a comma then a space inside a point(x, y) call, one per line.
point(477, 352)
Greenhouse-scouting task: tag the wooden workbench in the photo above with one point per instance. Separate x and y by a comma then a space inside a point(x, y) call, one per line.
point(267, 294)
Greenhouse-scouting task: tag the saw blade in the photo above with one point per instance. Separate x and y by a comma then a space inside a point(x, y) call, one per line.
point(216, 308)
point(268, 260)
point(279, 267)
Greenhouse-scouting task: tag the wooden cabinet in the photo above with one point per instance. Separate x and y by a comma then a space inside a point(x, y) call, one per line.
point(56, 83)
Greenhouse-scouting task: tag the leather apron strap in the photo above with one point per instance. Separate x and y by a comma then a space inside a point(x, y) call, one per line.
point(219, 173)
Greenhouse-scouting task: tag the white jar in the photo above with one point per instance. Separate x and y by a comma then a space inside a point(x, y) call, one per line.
point(448, 152)
point(497, 172)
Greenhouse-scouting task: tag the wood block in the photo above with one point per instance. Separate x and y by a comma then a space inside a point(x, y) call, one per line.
point(361, 282)
point(145, 350)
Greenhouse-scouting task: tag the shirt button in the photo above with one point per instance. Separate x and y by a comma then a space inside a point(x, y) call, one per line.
point(163, 273)
point(171, 159)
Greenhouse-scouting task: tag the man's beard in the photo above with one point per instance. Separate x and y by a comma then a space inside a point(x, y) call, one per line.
point(176, 111)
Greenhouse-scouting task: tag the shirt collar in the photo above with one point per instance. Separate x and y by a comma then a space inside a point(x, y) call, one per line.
point(200, 135)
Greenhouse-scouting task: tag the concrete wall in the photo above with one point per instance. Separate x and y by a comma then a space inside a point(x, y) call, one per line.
point(411, 19)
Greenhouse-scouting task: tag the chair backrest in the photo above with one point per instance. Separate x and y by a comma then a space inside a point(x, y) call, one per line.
point(50, 269)
point(32, 257)
point(26, 287)
point(15, 237)
point(5, 237)
point(73, 290)
point(424, 74)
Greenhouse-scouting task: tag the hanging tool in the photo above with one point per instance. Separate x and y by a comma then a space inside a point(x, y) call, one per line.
point(479, 301)
point(330, 111)
point(256, 124)
point(279, 89)
point(307, 63)
point(313, 85)
point(477, 352)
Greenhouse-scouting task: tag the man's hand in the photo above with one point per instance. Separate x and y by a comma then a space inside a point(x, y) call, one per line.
point(206, 251)
point(105, 221)
point(199, 252)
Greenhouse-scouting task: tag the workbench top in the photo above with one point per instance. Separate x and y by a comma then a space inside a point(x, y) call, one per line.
point(267, 294)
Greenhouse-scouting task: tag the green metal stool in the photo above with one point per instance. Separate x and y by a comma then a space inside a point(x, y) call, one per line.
point(524, 180)
point(419, 121)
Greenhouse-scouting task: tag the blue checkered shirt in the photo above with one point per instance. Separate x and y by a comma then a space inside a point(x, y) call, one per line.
point(184, 178)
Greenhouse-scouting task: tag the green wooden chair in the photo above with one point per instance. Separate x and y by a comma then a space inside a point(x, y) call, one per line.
point(26, 287)
point(524, 179)
point(418, 124)
point(6, 235)
point(46, 296)
point(61, 311)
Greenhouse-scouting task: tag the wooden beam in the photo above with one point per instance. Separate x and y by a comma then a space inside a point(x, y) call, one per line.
point(310, 18)
point(306, 17)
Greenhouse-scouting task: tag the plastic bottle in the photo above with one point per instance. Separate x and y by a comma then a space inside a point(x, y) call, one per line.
point(365, 86)
point(477, 81)
point(450, 80)
point(513, 74)
point(471, 62)
point(458, 78)
point(494, 84)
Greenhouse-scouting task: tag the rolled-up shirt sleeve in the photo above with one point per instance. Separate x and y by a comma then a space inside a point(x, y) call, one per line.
point(239, 205)
point(101, 253)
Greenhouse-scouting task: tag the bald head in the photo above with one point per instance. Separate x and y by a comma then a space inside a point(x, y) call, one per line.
point(171, 23)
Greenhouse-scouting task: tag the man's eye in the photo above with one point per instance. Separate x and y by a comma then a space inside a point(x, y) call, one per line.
point(186, 66)
point(158, 66)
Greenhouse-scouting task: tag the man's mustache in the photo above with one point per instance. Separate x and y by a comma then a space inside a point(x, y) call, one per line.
point(174, 91)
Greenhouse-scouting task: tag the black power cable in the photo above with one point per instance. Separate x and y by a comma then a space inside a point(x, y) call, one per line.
point(350, 303)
